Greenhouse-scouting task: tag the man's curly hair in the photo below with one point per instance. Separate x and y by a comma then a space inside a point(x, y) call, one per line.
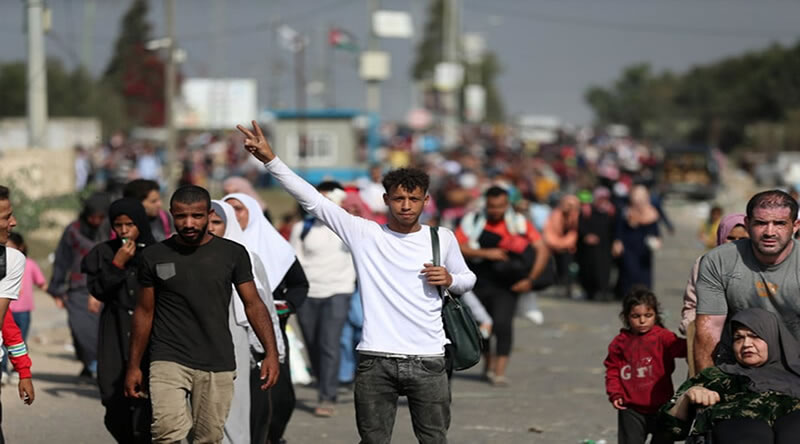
point(408, 178)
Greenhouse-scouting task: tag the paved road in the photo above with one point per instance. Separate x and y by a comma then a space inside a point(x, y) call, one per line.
point(556, 393)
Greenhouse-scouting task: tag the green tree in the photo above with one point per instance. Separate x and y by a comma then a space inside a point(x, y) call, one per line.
point(713, 103)
point(490, 68)
point(12, 89)
point(429, 50)
point(69, 94)
point(134, 34)
point(136, 73)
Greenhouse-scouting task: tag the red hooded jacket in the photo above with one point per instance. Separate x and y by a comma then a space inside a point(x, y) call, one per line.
point(639, 368)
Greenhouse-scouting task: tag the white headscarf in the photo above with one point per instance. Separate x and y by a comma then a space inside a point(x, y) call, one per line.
point(263, 239)
point(234, 233)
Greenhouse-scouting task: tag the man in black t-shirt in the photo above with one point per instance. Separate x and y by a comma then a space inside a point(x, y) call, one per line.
point(182, 311)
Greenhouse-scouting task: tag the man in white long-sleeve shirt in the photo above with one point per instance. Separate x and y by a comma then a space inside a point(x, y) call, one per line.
point(402, 347)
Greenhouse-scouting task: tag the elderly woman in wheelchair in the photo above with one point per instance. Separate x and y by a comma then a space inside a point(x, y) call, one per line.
point(752, 398)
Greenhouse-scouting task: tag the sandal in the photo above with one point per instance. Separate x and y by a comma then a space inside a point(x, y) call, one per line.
point(500, 381)
point(324, 411)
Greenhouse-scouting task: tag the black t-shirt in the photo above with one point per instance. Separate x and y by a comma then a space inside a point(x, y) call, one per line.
point(192, 287)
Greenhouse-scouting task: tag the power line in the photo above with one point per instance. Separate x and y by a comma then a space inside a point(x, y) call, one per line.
point(652, 28)
point(264, 26)
point(65, 47)
point(663, 2)
point(268, 26)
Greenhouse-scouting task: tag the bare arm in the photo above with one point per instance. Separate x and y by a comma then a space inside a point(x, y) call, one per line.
point(542, 256)
point(492, 254)
point(698, 395)
point(260, 322)
point(140, 336)
point(681, 408)
point(539, 264)
point(707, 335)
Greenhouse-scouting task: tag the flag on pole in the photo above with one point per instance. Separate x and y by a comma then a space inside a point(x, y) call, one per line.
point(340, 39)
point(290, 39)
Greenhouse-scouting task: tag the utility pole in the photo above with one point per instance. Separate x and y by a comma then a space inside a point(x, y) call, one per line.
point(329, 56)
point(218, 71)
point(88, 34)
point(450, 33)
point(172, 169)
point(37, 77)
point(275, 66)
point(300, 99)
point(373, 44)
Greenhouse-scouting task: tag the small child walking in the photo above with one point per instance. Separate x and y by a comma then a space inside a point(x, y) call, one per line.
point(33, 276)
point(639, 366)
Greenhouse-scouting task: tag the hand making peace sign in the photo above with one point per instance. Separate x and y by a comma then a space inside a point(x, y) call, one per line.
point(256, 143)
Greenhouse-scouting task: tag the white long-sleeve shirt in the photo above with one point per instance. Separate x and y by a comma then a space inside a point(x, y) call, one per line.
point(11, 282)
point(402, 312)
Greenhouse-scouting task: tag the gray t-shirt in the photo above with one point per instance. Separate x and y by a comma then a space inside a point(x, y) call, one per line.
point(732, 279)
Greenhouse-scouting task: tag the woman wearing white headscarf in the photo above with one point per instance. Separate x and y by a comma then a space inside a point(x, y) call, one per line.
point(234, 232)
point(237, 428)
point(289, 286)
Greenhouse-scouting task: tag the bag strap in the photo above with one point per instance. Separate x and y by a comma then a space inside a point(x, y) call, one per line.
point(307, 224)
point(2, 261)
point(437, 261)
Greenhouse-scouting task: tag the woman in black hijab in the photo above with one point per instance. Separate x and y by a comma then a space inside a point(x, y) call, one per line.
point(754, 398)
point(111, 270)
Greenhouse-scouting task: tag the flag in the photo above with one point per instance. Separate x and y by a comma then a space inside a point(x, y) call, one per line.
point(341, 39)
point(290, 39)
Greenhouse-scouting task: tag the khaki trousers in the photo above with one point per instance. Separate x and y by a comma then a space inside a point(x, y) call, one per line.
point(188, 403)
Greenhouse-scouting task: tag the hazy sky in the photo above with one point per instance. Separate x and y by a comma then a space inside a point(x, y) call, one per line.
point(550, 50)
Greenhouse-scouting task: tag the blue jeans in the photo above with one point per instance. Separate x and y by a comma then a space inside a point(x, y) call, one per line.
point(381, 381)
point(321, 320)
point(23, 320)
point(351, 336)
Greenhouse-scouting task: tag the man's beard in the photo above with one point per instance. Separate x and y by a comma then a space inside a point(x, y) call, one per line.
point(195, 237)
point(771, 253)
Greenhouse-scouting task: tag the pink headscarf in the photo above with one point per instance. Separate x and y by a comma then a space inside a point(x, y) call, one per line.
point(355, 205)
point(238, 184)
point(727, 224)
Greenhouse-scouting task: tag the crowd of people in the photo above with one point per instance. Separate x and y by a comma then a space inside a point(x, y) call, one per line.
point(193, 304)
point(203, 158)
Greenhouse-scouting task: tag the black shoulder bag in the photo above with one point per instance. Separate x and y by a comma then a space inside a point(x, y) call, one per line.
point(466, 344)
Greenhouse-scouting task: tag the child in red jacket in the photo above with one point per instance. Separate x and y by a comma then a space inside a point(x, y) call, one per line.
point(639, 367)
point(18, 354)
